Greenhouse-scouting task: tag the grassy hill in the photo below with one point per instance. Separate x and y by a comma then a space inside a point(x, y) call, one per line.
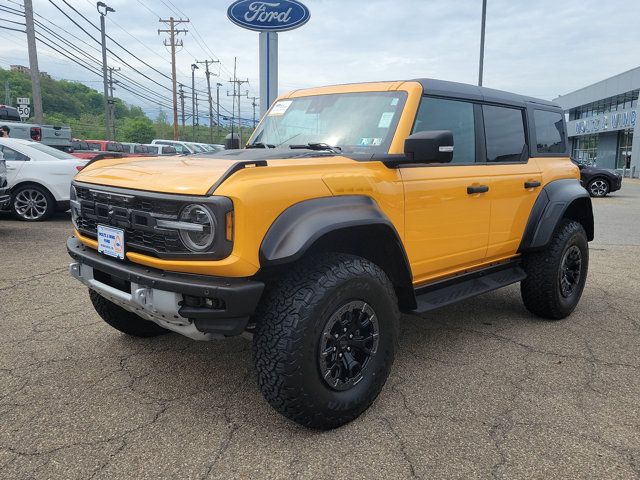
point(82, 108)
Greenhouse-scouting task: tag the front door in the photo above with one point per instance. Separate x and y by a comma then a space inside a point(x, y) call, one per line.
point(446, 221)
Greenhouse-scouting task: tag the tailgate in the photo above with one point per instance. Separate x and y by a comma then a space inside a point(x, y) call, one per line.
point(56, 135)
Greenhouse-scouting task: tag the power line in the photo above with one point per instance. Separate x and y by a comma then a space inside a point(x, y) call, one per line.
point(81, 52)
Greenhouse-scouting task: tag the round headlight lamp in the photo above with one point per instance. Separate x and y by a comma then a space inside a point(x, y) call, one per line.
point(202, 235)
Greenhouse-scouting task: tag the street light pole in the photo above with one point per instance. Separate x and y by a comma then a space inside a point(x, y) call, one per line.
point(103, 9)
point(484, 19)
point(194, 67)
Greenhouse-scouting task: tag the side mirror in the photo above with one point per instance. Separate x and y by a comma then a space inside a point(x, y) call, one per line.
point(432, 146)
point(581, 166)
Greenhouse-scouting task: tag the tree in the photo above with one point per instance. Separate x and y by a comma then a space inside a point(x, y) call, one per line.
point(138, 130)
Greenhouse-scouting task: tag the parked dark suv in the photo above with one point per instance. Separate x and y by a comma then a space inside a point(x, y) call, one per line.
point(599, 181)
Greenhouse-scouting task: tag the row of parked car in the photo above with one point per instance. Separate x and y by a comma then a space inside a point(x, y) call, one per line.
point(35, 178)
point(88, 149)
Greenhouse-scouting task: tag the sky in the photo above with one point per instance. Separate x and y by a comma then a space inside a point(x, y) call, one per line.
point(541, 48)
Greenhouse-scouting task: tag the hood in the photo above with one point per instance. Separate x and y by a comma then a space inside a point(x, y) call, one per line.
point(186, 175)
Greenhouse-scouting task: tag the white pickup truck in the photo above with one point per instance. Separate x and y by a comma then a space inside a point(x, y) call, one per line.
point(53, 135)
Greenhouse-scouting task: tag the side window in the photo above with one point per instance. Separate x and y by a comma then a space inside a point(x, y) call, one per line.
point(454, 115)
point(504, 132)
point(11, 155)
point(549, 131)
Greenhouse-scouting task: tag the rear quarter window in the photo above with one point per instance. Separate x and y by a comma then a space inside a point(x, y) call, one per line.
point(549, 131)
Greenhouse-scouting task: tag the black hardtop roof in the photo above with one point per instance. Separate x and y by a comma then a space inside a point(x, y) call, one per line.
point(472, 92)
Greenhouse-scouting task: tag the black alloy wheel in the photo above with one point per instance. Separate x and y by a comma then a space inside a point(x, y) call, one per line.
point(570, 271)
point(348, 343)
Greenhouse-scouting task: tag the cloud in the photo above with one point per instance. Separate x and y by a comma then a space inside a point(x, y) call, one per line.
point(542, 48)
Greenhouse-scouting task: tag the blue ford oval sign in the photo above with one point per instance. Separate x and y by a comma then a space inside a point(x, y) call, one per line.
point(268, 16)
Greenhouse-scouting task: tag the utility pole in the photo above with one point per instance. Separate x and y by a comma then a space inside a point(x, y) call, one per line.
point(208, 74)
point(197, 119)
point(218, 85)
point(112, 103)
point(194, 67)
point(173, 43)
point(7, 92)
point(181, 93)
point(254, 105)
point(33, 62)
point(237, 84)
point(103, 10)
point(484, 20)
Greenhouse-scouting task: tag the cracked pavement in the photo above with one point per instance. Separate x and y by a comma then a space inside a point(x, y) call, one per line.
point(480, 389)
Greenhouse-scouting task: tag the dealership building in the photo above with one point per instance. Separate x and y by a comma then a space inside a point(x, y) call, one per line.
point(602, 120)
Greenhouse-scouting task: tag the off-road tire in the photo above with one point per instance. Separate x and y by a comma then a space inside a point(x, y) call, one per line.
point(123, 320)
point(46, 204)
point(541, 290)
point(599, 187)
point(289, 326)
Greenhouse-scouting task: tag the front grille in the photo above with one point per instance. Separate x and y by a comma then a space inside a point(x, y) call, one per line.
point(139, 235)
point(138, 240)
point(148, 205)
point(137, 213)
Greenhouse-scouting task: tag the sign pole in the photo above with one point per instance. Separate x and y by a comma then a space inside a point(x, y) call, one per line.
point(268, 18)
point(268, 70)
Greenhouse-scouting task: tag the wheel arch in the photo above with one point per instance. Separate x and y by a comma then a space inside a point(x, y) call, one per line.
point(23, 183)
point(558, 200)
point(351, 224)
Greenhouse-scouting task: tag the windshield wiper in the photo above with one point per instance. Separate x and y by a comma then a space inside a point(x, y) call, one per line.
point(260, 145)
point(316, 146)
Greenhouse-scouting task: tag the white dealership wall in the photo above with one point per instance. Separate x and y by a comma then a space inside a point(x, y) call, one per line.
point(608, 122)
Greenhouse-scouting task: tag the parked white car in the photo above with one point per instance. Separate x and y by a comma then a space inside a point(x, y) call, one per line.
point(5, 198)
point(183, 148)
point(39, 178)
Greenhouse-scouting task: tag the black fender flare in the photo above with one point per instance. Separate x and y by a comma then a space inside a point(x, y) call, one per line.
point(300, 225)
point(565, 198)
point(305, 224)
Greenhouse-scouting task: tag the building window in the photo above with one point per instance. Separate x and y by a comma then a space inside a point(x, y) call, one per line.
point(611, 104)
point(625, 139)
point(585, 149)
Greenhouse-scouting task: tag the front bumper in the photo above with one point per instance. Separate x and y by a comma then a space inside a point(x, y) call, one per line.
point(616, 184)
point(198, 306)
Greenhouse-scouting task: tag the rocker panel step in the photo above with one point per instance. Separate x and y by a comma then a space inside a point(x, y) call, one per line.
point(446, 292)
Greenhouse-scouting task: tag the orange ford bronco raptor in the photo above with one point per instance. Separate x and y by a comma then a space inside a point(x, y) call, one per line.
point(350, 204)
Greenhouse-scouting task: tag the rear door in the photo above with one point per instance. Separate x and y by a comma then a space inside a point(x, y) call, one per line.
point(446, 221)
point(515, 177)
point(15, 161)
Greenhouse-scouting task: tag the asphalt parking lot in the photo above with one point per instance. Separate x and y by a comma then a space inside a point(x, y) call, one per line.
point(481, 389)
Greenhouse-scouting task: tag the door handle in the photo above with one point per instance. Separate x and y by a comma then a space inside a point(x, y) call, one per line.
point(477, 189)
point(533, 184)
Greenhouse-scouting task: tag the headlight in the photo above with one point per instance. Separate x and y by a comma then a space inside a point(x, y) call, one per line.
point(200, 238)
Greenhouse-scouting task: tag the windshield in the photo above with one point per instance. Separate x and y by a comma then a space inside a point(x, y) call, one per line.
point(59, 154)
point(361, 122)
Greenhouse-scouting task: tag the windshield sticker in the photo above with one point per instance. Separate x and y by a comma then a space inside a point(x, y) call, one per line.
point(280, 107)
point(394, 102)
point(385, 119)
point(365, 142)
